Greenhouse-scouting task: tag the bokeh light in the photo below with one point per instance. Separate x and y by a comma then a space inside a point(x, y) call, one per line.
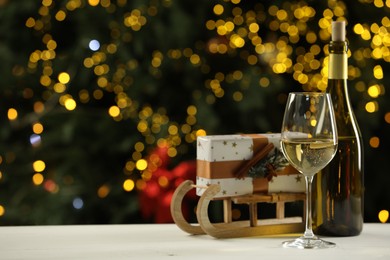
point(128, 185)
point(12, 114)
point(37, 179)
point(39, 166)
point(94, 45)
point(383, 216)
point(78, 203)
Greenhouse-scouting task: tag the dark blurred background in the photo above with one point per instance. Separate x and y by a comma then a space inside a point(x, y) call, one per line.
point(101, 101)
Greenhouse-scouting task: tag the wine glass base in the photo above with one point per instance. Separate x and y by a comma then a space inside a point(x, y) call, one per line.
point(308, 243)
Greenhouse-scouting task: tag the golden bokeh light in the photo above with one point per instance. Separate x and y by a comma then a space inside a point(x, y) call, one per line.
point(374, 91)
point(2, 210)
point(201, 132)
point(104, 190)
point(30, 22)
point(114, 111)
point(374, 142)
point(387, 117)
point(59, 88)
point(141, 164)
point(38, 179)
point(12, 114)
point(383, 216)
point(172, 152)
point(93, 2)
point(70, 104)
point(173, 130)
point(60, 16)
point(39, 166)
point(371, 106)
point(139, 146)
point(128, 185)
point(163, 181)
point(378, 72)
point(140, 184)
point(218, 9)
point(37, 128)
point(63, 78)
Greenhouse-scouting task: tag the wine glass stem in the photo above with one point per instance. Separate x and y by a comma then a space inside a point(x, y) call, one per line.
point(308, 226)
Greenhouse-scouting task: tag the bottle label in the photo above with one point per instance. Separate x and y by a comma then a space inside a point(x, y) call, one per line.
point(338, 66)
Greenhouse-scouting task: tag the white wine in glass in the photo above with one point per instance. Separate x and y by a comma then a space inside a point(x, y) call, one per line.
point(309, 142)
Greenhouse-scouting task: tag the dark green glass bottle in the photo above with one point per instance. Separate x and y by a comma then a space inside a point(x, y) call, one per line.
point(338, 190)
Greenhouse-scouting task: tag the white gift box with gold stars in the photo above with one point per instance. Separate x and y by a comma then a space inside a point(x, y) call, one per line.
point(245, 164)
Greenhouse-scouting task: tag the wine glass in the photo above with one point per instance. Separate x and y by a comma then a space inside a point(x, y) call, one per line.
point(309, 142)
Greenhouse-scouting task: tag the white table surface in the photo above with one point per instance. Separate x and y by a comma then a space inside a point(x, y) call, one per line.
point(167, 241)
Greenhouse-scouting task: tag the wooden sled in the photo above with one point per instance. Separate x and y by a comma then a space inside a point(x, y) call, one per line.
point(234, 229)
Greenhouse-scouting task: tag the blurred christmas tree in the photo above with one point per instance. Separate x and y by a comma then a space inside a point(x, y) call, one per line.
point(101, 100)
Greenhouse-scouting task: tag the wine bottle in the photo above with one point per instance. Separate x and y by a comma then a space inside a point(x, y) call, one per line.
point(338, 189)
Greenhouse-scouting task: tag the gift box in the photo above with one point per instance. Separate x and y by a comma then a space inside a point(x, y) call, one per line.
point(245, 164)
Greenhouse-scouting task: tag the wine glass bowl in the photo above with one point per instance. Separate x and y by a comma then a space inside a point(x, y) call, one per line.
point(309, 142)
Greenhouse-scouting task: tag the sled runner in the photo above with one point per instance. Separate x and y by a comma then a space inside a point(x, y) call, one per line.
point(233, 229)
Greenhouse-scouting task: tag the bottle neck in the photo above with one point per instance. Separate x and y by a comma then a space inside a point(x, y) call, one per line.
point(338, 69)
point(338, 61)
point(337, 87)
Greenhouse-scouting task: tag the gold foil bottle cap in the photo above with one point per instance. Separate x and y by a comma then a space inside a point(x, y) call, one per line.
point(338, 31)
